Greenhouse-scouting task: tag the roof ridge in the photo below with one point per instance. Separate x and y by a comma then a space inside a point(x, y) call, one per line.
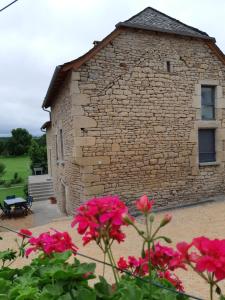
point(164, 14)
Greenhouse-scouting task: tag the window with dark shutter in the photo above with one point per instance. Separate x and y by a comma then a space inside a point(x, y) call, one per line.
point(208, 102)
point(61, 144)
point(206, 141)
point(56, 148)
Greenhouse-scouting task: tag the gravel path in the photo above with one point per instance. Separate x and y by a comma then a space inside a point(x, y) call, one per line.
point(206, 219)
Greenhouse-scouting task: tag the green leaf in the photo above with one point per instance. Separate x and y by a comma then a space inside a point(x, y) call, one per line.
point(8, 254)
point(103, 289)
point(132, 292)
point(84, 294)
point(61, 257)
point(4, 286)
point(85, 268)
point(67, 296)
point(55, 290)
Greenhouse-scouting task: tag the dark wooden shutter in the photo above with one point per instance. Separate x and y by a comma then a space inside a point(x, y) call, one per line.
point(206, 141)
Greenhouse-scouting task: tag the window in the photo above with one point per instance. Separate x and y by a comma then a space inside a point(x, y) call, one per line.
point(168, 66)
point(206, 141)
point(56, 148)
point(61, 144)
point(208, 102)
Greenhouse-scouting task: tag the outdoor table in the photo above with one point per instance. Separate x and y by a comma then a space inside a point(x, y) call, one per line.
point(15, 201)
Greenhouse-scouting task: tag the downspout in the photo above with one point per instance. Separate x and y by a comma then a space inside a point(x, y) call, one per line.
point(44, 109)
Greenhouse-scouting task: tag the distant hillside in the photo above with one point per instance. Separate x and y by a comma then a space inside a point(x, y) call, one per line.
point(4, 139)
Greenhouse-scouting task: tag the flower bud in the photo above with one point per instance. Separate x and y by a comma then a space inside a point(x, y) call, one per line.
point(166, 219)
point(151, 218)
point(128, 220)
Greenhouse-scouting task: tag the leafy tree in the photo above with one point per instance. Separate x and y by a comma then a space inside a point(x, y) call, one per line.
point(20, 142)
point(38, 155)
point(41, 140)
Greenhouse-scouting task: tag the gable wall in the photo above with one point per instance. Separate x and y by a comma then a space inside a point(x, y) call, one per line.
point(141, 135)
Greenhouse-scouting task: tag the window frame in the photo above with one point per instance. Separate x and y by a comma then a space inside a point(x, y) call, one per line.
point(213, 105)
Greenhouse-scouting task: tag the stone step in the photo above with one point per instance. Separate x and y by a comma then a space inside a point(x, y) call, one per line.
point(43, 193)
point(42, 198)
point(40, 184)
point(38, 189)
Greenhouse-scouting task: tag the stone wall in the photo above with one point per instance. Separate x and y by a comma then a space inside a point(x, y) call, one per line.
point(132, 125)
point(66, 175)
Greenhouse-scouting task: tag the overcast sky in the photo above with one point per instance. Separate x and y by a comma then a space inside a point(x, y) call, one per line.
point(37, 35)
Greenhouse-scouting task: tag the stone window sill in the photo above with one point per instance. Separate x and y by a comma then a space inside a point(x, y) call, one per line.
point(211, 163)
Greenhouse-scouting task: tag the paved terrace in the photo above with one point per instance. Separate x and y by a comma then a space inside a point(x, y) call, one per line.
point(206, 219)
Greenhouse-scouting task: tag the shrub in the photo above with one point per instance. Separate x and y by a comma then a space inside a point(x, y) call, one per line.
point(25, 190)
point(16, 179)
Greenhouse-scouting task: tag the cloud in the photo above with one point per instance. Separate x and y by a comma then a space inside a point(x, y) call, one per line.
point(38, 35)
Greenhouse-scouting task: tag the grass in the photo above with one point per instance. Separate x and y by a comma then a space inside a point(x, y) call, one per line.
point(19, 164)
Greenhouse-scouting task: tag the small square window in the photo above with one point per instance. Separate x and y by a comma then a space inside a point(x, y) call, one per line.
point(206, 141)
point(208, 102)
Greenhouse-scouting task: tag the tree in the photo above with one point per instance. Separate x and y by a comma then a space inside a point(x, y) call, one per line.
point(20, 142)
point(38, 156)
point(41, 140)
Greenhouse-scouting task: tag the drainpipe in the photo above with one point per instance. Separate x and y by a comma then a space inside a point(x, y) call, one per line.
point(44, 109)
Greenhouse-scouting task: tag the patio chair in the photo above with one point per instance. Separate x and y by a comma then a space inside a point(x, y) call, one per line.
point(11, 197)
point(6, 211)
point(29, 203)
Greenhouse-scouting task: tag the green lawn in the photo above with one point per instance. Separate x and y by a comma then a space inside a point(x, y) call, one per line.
point(21, 165)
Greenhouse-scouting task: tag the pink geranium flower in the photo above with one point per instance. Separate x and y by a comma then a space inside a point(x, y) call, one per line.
point(51, 242)
point(25, 233)
point(144, 204)
point(101, 218)
point(206, 255)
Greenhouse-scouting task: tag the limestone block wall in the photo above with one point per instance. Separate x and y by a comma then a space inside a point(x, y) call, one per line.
point(135, 124)
point(66, 175)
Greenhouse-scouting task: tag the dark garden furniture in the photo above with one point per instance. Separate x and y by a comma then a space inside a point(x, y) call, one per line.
point(11, 197)
point(6, 211)
point(29, 203)
point(18, 204)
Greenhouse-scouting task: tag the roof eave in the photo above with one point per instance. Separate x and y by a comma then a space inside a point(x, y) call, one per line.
point(46, 102)
point(46, 125)
point(156, 29)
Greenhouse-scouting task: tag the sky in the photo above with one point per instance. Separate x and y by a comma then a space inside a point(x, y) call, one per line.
point(38, 35)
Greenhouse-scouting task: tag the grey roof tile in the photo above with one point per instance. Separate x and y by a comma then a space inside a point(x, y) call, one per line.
point(155, 20)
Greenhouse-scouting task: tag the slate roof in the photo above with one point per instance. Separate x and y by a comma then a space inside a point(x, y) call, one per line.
point(152, 19)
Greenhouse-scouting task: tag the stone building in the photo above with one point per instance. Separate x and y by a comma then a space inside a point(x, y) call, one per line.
point(142, 112)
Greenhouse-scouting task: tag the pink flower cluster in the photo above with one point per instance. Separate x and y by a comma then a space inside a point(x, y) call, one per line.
point(209, 257)
point(101, 218)
point(163, 259)
point(51, 242)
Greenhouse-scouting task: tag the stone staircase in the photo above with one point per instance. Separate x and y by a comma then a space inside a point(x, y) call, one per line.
point(40, 187)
